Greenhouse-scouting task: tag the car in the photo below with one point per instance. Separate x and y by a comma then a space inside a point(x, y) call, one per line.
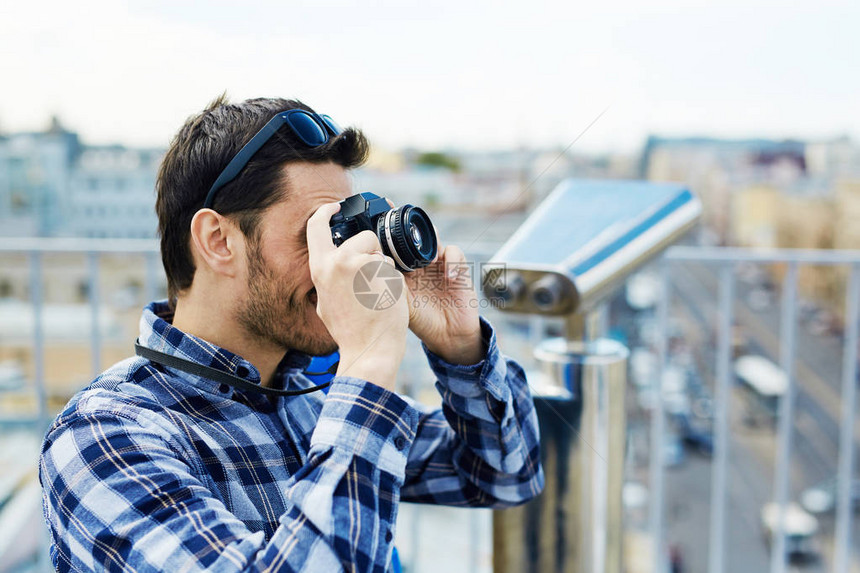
point(701, 442)
point(800, 528)
point(821, 498)
point(673, 450)
point(765, 383)
point(695, 436)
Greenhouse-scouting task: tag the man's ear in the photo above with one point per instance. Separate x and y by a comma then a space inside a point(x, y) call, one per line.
point(217, 241)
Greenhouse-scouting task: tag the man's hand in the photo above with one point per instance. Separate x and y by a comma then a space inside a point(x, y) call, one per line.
point(371, 341)
point(443, 308)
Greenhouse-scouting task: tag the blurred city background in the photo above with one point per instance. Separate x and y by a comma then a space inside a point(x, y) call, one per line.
point(752, 105)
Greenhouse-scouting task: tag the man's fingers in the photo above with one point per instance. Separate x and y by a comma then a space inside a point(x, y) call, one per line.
point(457, 270)
point(363, 242)
point(449, 254)
point(454, 258)
point(319, 230)
point(454, 254)
point(383, 258)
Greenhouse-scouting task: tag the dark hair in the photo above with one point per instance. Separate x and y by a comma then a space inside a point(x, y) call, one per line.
point(203, 148)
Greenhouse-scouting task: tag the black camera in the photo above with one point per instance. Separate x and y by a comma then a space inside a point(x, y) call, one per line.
point(406, 233)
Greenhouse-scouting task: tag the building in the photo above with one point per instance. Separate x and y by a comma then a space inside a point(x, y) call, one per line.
point(35, 170)
point(717, 168)
point(755, 216)
point(847, 213)
point(112, 193)
point(52, 185)
point(834, 158)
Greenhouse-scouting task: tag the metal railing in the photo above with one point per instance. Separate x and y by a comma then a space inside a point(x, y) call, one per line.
point(93, 249)
point(723, 260)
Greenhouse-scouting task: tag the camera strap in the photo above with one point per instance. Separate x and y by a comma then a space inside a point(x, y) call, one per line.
point(222, 377)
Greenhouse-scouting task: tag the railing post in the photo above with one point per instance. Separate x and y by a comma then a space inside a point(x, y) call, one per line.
point(716, 550)
point(37, 297)
point(95, 303)
point(845, 472)
point(658, 422)
point(788, 329)
point(150, 288)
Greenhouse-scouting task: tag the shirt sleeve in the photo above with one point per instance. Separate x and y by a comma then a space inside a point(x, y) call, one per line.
point(482, 448)
point(119, 495)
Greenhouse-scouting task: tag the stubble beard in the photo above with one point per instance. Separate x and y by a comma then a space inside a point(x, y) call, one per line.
point(276, 316)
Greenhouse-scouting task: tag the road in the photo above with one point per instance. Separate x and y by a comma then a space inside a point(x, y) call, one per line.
point(752, 451)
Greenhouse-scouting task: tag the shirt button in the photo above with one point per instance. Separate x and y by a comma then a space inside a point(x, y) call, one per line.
point(388, 536)
point(223, 388)
point(241, 371)
point(400, 442)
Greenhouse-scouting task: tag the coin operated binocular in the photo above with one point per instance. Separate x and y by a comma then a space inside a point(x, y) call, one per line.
point(575, 251)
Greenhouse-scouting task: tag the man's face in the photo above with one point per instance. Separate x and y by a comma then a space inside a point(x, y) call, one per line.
point(279, 307)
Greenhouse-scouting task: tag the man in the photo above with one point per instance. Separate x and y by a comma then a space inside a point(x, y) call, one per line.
point(190, 457)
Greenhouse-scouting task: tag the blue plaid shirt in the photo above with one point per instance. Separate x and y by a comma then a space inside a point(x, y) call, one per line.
point(154, 469)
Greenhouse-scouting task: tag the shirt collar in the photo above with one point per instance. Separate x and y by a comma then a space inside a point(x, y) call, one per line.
point(158, 333)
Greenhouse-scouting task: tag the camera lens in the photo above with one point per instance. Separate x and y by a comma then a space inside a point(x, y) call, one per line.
point(416, 235)
point(407, 236)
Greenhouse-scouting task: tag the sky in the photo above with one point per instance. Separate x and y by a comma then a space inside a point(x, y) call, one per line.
point(440, 73)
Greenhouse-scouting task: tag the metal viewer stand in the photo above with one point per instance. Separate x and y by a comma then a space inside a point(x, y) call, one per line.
point(570, 255)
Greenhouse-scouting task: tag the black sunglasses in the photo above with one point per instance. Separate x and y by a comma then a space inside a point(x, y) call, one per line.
point(311, 128)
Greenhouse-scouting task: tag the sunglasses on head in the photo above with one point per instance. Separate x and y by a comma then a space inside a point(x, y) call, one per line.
point(312, 129)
